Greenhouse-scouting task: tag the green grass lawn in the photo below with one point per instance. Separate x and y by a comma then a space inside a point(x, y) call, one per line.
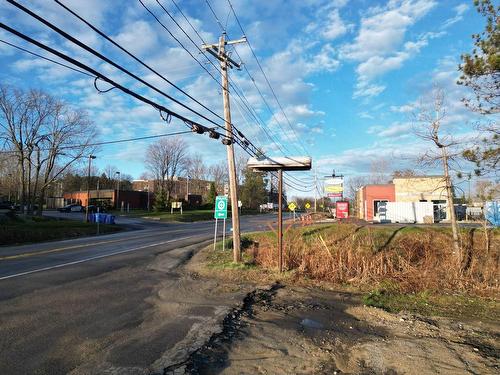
point(32, 230)
point(186, 217)
point(455, 305)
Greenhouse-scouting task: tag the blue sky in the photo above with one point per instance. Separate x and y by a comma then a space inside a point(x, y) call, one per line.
point(348, 74)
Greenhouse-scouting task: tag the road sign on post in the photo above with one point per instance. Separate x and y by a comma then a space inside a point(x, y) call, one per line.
point(220, 207)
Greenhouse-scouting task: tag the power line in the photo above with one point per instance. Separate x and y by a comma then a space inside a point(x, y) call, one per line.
point(188, 21)
point(46, 58)
point(254, 83)
point(99, 75)
point(179, 42)
point(264, 74)
point(232, 83)
point(184, 47)
point(109, 142)
point(215, 16)
point(190, 39)
point(139, 60)
point(107, 60)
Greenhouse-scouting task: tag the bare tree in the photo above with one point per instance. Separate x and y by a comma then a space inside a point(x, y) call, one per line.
point(46, 136)
point(218, 173)
point(429, 127)
point(241, 168)
point(353, 184)
point(404, 173)
point(379, 171)
point(196, 171)
point(166, 159)
point(196, 168)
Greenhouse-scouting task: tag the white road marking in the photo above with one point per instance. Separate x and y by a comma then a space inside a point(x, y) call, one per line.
point(48, 251)
point(91, 258)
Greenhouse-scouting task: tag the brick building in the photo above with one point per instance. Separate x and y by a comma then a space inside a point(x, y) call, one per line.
point(369, 198)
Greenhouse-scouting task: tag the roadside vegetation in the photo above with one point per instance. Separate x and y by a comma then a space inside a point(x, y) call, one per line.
point(395, 267)
point(17, 230)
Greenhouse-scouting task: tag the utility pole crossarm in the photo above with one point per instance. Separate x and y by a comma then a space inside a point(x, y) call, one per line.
point(218, 51)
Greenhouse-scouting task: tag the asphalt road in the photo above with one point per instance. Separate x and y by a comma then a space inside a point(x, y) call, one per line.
point(114, 300)
point(17, 261)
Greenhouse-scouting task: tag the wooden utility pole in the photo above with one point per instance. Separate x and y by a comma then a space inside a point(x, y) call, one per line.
point(218, 50)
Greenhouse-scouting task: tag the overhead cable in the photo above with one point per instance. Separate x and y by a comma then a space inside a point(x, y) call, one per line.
point(265, 76)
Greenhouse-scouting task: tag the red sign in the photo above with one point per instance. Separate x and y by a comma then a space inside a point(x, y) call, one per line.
point(342, 210)
point(334, 195)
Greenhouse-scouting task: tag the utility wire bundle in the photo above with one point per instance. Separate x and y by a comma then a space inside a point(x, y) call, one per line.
point(214, 130)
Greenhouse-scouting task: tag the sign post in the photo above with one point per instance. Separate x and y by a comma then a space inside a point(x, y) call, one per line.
point(215, 233)
point(220, 213)
point(292, 206)
point(297, 163)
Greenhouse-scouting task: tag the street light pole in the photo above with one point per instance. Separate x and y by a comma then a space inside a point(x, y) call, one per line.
point(10, 185)
point(148, 194)
point(118, 190)
point(88, 189)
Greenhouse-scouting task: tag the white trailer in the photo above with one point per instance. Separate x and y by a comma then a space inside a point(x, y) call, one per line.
point(406, 212)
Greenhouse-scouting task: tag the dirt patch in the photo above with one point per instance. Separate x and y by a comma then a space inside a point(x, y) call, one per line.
point(299, 330)
point(296, 328)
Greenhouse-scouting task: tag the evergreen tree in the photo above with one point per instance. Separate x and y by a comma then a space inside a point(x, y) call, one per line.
point(253, 190)
point(212, 193)
point(481, 68)
point(160, 202)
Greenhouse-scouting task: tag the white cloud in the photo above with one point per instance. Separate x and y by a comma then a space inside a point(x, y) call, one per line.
point(379, 45)
point(406, 108)
point(383, 31)
point(365, 115)
point(334, 27)
point(363, 89)
point(139, 37)
point(459, 15)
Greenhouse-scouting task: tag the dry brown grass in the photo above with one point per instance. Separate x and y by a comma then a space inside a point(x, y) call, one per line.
point(415, 259)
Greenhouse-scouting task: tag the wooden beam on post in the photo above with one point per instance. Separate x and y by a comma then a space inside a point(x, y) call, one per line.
point(280, 164)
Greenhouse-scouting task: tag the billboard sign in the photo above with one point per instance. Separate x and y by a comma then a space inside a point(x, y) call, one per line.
point(334, 195)
point(334, 187)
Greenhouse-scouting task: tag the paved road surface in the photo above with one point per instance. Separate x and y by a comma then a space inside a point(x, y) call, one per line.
point(16, 261)
point(114, 300)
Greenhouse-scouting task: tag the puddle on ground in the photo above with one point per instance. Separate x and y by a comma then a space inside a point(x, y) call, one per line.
point(309, 323)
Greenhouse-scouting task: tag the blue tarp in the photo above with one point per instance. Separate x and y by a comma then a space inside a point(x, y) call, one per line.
point(102, 218)
point(492, 212)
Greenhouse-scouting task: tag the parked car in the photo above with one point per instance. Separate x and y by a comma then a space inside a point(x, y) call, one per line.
point(71, 208)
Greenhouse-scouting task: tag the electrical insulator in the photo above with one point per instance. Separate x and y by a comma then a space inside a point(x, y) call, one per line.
point(213, 134)
point(198, 128)
point(226, 141)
